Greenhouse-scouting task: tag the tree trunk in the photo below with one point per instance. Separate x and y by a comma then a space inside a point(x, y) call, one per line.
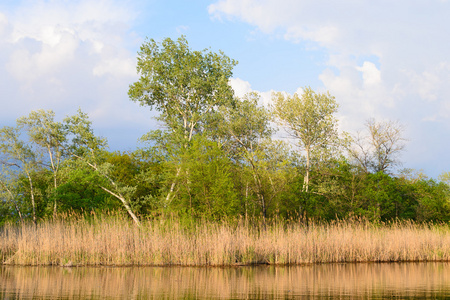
point(12, 199)
point(306, 179)
point(125, 203)
point(33, 203)
point(55, 186)
point(118, 196)
point(55, 172)
point(172, 187)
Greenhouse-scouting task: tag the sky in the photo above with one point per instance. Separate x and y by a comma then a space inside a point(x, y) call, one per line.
point(386, 60)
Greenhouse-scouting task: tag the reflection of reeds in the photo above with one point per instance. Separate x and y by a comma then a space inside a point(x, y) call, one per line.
point(116, 241)
point(359, 281)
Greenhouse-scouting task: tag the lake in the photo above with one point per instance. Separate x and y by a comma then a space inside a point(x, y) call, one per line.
point(327, 281)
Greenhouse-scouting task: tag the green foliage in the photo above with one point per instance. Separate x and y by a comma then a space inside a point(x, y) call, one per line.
point(433, 200)
point(206, 182)
point(141, 175)
point(216, 158)
point(380, 198)
point(184, 85)
point(309, 118)
point(82, 142)
point(245, 136)
point(237, 171)
point(20, 158)
point(80, 192)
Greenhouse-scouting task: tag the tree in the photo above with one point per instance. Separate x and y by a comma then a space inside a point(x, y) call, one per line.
point(308, 118)
point(184, 85)
point(378, 149)
point(8, 188)
point(142, 171)
point(20, 156)
point(207, 190)
point(445, 178)
point(79, 189)
point(246, 136)
point(49, 136)
point(432, 199)
point(90, 149)
point(247, 126)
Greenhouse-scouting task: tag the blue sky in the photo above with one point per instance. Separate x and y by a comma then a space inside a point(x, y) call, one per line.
point(387, 60)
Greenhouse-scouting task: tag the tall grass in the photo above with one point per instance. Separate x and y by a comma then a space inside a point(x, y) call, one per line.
point(116, 241)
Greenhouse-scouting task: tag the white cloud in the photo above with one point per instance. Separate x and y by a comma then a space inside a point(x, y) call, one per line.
point(384, 59)
point(266, 98)
point(64, 55)
point(431, 83)
point(51, 42)
point(3, 24)
point(115, 66)
point(26, 64)
point(324, 35)
point(299, 91)
point(371, 75)
point(182, 29)
point(64, 32)
point(406, 38)
point(240, 86)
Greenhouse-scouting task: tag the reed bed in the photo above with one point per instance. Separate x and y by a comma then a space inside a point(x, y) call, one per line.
point(115, 241)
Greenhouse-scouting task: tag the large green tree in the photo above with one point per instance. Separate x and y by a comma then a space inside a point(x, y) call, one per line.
point(246, 137)
point(20, 159)
point(182, 84)
point(308, 118)
point(84, 146)
point(49, 136)
point(9, 191)
point(185, 86)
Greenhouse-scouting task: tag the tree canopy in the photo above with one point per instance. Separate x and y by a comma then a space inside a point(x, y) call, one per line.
point(216, 157)
point(182, 84)
point(308, 118)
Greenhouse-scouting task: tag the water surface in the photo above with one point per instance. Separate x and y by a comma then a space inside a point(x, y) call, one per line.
point(328, 281)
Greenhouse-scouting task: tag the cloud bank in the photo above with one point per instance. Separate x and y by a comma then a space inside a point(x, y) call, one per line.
point(65, 55)
point(385, 59)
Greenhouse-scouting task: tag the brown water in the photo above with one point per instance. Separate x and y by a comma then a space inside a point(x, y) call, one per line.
point(331, 281)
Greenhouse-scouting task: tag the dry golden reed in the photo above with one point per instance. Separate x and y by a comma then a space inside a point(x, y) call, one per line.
point(116, 241)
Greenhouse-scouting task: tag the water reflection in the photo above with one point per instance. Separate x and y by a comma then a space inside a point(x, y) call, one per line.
point(345, 281)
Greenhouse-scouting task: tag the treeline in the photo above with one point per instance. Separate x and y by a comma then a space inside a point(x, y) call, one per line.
point(216, 157)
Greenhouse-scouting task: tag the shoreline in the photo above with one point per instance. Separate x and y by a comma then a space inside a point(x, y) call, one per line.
point(231, 266)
